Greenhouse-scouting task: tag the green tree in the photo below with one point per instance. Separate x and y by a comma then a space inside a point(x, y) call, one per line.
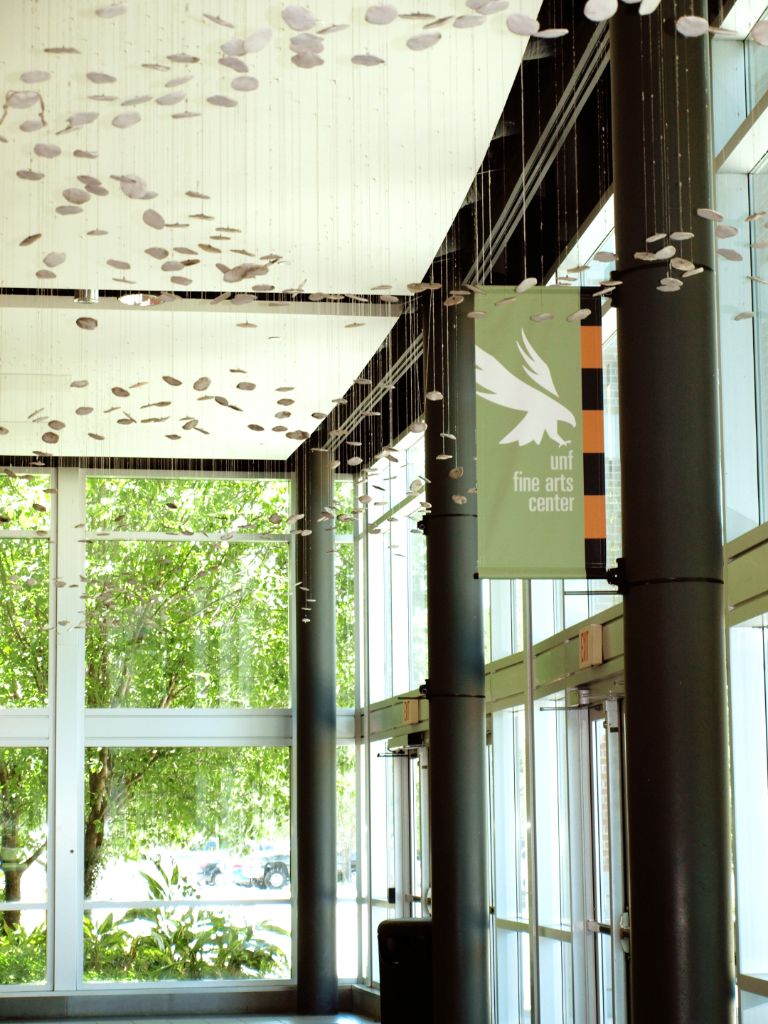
point(171, 623)
point(23, 783)
point(346, 679)
point(140, 798)
point(24, 586)
point(183, 616)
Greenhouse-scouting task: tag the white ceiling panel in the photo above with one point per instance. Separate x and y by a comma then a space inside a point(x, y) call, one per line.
point(351, 175)
point(299, 346)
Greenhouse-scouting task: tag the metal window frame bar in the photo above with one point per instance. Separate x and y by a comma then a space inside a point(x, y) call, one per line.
point(530, 782)
point(614, 740)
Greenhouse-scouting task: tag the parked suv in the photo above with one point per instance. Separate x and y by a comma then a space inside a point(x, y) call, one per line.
point(265, 869)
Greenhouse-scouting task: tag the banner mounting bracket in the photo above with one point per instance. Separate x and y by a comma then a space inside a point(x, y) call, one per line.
point(617, 576)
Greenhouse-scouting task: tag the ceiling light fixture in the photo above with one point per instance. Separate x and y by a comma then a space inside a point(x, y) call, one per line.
point(139, 299)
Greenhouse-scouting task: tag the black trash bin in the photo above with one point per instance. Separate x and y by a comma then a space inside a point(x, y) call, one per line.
point(405, 964)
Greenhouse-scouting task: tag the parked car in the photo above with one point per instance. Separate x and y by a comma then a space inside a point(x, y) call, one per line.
point(210, 872)
point(267, 868)
point(346, 866)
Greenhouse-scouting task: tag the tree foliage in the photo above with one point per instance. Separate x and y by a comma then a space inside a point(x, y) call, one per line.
point(141, 798)
point(184, 623)
point(24, 590)
point(194, 613)
point(23, 802)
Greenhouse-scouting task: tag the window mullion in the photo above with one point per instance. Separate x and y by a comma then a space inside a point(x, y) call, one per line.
point(68, 699)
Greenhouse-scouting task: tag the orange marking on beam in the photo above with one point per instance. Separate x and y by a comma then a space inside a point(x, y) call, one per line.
point(592, 348)
point(592, 430)
point(594, 516)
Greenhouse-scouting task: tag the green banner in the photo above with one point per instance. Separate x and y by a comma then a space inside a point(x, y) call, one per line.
point(541, 480)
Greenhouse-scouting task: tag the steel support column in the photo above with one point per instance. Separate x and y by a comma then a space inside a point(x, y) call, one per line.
point(315, 746)
point(681, 924)
point(458, 784)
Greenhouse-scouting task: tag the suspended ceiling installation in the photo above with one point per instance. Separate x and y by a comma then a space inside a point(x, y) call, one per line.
point(333, 152)
point(196, 383)
point(153, 146)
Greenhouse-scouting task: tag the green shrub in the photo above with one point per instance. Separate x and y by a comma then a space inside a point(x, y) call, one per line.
point(22, 954)
point(181, 943)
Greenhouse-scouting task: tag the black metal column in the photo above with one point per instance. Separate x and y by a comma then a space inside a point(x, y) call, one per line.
point(315, 747)
point(458, 800)
point(681, 964)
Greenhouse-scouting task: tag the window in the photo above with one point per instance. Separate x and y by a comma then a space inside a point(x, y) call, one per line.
point(166, 603)
point(510, 853)
point(185, 852)
point(749, 746)
point(23, 865)
point(381, 843)
point(25, 501)
point(553, 860)
point(188, 609)
point(347, 863)
point(395, 548)
point(345, 554)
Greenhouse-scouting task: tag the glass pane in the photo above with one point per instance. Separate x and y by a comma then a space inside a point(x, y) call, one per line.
point(510, 815)
point(730, 102)
point(749, 750)
point(486, 596)
point(365, 937)
point(545, 608)
point(346, 683)
point(346, 822)
point(23, 948)
point(346, 939)
point(501, 596)
point(24, 633)
point(576, 608)
point(740, 353)
point(175, 504)
point(344, 504)
point(378, 617)
point(25, 500)
point(24, 829)
point(399, 582)
point(552, 813)
point(556, 981)
point(513, 977)
point(193, 821)
point(754, 1009)
point(605, 978)
point(415, 780)
point(382, 821)
point(417, 565)
point(601, 837)
point(612, 440)
point(415, 460)
point(757, 69)
point(346, 862)
point(187, 624)
point(187, 943)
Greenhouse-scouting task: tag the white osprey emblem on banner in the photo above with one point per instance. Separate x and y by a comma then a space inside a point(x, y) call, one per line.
point(542, 412)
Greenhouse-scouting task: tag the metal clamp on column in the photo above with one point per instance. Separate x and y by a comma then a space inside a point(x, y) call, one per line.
point(617, 577)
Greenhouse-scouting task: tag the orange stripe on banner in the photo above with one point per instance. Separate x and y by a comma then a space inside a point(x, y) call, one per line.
point(591, 348)
point(592, 430)
point(594, 516)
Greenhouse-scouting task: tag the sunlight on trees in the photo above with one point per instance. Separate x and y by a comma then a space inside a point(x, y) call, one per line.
point(183, 606)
